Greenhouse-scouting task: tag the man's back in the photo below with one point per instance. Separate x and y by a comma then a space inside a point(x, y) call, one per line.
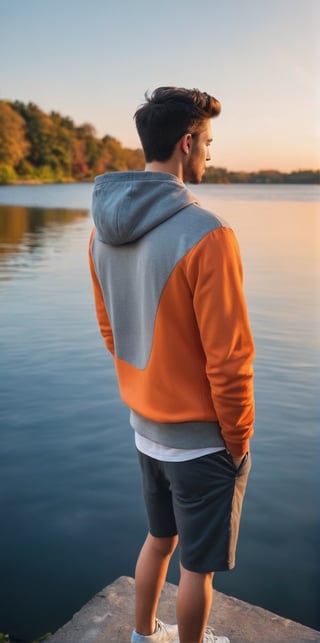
point(167, 270)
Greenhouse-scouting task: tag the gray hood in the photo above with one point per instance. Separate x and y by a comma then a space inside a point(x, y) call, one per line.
point(126, 205)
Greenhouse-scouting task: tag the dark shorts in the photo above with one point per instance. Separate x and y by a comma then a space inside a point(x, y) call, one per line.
point(201, 501)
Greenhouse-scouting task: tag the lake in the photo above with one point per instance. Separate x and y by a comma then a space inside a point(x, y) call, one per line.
point(72, 515)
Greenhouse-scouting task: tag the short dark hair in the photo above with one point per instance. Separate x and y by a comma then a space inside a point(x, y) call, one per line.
point(168, 114)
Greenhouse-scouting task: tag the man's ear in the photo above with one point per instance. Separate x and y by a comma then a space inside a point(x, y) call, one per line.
point(185, 143)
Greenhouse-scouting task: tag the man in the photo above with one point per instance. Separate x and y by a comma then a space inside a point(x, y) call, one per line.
point(167, 281)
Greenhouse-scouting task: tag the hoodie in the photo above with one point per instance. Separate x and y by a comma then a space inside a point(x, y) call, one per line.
point(167, 282)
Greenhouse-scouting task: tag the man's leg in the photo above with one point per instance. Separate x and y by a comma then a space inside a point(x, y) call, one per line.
point(151, 571)
point(194, 602)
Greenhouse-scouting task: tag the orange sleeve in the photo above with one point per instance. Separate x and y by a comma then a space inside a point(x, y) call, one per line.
point(101, 312)
point(215, 277)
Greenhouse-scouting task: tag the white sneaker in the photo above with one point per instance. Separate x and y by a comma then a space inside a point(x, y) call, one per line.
point(163, 634)
point(209, 637)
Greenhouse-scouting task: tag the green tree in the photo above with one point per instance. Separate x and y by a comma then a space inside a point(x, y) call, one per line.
point(40, 133)
point(304, 176)
point(85, 151)
point(116, 156)
point(266, 176)
point(49, 145)
point(216, 175)
point(134, 159)
point(79, 165)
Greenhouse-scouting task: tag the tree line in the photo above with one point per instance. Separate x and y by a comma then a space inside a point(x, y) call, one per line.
point(50, 147)
point(35, 146)
point(222, 175)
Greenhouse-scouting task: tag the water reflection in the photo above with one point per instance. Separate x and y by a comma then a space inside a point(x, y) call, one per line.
point(69, 480)
point(26, 231)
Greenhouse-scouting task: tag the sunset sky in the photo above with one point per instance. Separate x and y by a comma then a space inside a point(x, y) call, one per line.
point(94, 60)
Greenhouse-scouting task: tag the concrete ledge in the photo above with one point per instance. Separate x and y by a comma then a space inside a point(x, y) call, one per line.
point(109, 618)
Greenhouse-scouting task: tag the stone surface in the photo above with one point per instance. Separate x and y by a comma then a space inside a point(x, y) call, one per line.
point(109, 617)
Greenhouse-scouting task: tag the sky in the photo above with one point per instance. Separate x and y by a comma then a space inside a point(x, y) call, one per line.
point(93, 60)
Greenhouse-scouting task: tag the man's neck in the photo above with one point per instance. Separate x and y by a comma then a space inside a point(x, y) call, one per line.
point(171, 166)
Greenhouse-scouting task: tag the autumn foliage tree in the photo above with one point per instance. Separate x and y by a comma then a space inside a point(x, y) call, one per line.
point(50, 147)
point(13, 141)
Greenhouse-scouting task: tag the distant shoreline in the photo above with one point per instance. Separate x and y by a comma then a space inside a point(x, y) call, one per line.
point(205, 181)
point(262, 177)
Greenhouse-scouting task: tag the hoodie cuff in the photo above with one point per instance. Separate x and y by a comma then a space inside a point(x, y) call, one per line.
point(238, 450)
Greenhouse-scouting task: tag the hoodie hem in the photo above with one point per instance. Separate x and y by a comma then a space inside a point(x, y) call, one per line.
point(179, 435)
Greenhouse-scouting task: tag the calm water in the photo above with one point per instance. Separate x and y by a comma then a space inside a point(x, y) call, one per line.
point(72, 517)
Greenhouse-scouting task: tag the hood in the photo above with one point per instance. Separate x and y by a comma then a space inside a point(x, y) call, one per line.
point(127, 205)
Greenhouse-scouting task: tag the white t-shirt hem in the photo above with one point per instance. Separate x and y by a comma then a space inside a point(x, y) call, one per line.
point(170, 454)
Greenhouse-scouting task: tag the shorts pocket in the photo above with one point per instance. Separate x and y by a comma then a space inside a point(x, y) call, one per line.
point(242, 465)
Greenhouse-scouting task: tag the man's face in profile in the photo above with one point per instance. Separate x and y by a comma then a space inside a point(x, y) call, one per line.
point(199, 153)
